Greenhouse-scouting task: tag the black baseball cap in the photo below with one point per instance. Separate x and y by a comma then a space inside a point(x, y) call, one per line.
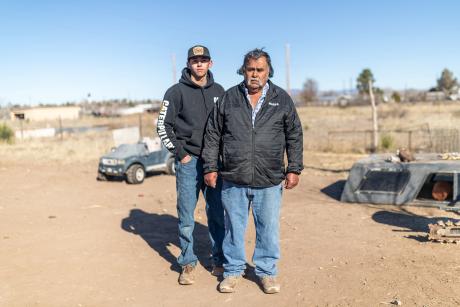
point(198, 50)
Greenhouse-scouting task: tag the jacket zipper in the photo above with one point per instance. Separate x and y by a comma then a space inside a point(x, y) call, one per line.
point(267, 99)
point(248, 103)
point(253, 155)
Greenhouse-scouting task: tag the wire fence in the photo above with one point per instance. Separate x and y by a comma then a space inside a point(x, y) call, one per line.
point(421, 139)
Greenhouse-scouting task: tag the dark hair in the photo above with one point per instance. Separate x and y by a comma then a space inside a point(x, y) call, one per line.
point(256, 54)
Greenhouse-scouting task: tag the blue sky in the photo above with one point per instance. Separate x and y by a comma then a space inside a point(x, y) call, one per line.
point(58, 51)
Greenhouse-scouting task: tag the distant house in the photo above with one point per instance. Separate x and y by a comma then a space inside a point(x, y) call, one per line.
point(435, 96)
point(140, 108)
point(455, 93)
point(46, 113)
point(333, 100)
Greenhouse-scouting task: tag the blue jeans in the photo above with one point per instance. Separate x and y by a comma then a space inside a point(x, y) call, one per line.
point(189, 182)
point(266, 203)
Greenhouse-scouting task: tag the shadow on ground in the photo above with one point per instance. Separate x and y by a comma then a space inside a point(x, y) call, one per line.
point(403, 219)
point(409, 222)
point(154, 174)
point(329, 170)
point(334, 190)
point(123, 178)
point(160, 231)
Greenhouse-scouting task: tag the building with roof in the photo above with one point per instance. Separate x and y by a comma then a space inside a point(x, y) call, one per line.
point(46, 113)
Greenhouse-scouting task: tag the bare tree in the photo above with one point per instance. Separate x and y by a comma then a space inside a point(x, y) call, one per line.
point(309, 92)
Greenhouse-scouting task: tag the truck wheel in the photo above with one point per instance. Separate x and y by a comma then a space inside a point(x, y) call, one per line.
point(171, 167)
point(135, 174)
point(101, 177)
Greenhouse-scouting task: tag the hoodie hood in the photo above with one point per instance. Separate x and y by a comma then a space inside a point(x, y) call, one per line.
point(187, 79)
point(184, 113)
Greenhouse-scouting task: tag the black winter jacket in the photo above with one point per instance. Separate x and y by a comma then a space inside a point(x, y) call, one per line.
point(184, 112)
point(254, 156)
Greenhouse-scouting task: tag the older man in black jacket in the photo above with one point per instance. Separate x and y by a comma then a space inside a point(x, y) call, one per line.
point(252, 127)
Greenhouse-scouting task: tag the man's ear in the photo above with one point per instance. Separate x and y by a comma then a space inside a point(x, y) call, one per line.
point(210, 63)
point(187, 64)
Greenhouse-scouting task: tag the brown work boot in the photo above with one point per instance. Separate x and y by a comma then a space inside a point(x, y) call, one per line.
point(229, 283)
point(269, 285)
point(217, 270)
point(187, 277)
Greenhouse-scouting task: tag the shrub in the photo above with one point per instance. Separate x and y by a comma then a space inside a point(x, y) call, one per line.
point(387, 141)
point(396, 97)
point(6, 134)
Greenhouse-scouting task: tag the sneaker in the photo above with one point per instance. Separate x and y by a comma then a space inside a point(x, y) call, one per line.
point(217, 270)
point(228, 284)
point(269, 285)
point(187, 277)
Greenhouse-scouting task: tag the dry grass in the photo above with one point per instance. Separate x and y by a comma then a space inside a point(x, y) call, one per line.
point(82, 147)
point(318, 122)
point(322, 120)
point(90, 121)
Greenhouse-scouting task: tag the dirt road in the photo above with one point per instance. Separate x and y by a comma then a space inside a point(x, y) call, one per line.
point(67, 240)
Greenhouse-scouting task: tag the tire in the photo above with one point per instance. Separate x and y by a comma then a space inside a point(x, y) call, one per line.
point(135, 174)
point(171, 167)
point(101, 177)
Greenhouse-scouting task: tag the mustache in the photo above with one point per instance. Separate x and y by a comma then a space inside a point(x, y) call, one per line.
point(254, 79)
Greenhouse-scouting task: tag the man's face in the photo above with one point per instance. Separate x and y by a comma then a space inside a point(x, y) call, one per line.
point(256, 74)
point(199, 66)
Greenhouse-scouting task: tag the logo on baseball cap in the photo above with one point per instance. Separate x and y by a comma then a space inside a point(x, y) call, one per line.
point(198, 50)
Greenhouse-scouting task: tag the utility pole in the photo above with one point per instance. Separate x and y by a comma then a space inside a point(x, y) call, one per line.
point(140, 126)
point(173, 60)
point(60, 128)
point(288, 69)
point(21, 120)
point(375, 126)
point(405, 93)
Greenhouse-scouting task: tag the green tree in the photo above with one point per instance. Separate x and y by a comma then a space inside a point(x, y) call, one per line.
point(365, 86)
point(362, 83)
point(447, 81)
point(396, 97)
point(6, 134)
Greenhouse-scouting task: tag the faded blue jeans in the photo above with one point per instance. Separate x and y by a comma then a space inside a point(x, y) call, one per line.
point(266, 204)
point(189, 182)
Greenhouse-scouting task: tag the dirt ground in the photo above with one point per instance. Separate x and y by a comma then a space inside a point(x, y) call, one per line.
point(68, 240)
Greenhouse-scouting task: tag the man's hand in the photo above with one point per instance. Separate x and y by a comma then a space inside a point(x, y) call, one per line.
point(210, 179)
point(186, 159)
point(291, 181)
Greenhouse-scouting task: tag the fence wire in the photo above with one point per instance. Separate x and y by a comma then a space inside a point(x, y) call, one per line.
point(422, 139)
